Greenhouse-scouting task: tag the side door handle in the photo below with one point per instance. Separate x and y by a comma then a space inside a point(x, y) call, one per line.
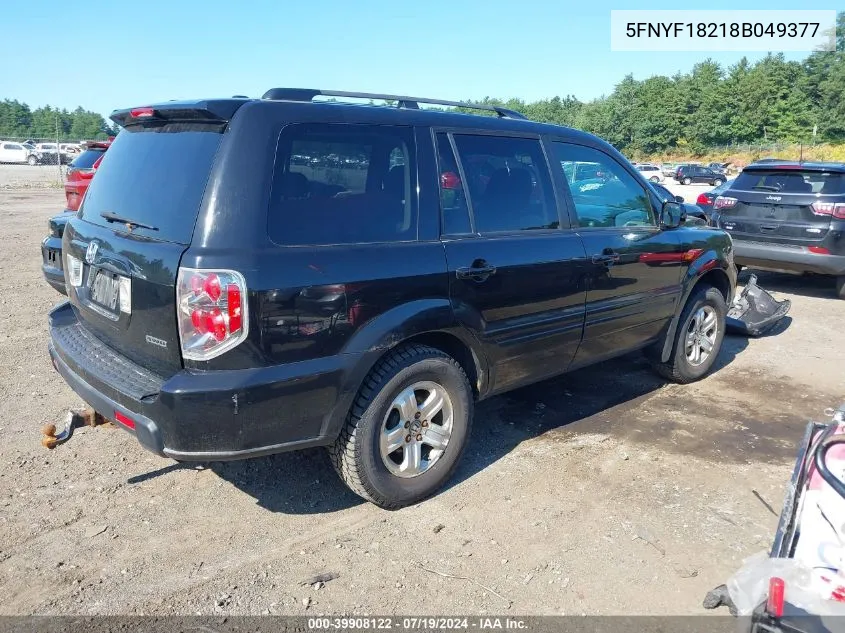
point(479, 271)
point(606, 258)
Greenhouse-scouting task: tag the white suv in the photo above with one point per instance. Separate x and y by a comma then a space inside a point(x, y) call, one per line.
point(11, 152)
point(651, 172)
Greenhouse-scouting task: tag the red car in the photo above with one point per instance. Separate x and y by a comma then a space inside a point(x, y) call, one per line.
point(81, 171)
point(79, 175)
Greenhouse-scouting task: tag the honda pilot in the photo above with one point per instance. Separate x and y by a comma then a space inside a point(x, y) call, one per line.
point(788, 216)
point(251, 276)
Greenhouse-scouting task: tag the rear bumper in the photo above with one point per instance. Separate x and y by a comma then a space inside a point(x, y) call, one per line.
point(51, 263)
point(796, 259)
point(205, 415)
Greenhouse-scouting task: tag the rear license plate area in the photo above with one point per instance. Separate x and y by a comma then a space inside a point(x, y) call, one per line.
point(105, 290)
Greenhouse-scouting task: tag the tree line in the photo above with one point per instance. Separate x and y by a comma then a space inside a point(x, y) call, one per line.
point(770, 101)
point(17, 120)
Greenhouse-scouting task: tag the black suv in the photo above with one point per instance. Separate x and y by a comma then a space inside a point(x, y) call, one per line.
point(289, 273)
point(689, 174)
point(788, 216)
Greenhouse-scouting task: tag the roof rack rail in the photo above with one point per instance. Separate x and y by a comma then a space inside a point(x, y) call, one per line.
point(308, 94)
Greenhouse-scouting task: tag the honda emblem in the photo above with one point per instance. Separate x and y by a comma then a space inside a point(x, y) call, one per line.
point(91, 252)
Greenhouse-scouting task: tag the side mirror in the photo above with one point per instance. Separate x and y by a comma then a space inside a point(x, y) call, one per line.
point(679, 198)
point(671, 215)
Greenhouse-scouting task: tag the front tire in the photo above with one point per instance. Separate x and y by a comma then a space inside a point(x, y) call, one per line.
point(717, 182)
point(687, 181)
point(407, 428)
point(32, 161)
point(654, 179)
point(698, 337)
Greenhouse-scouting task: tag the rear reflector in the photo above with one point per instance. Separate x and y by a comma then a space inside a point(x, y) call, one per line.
point(818, 250)
point(774, 603)
point(124, 420)
point(142, 112)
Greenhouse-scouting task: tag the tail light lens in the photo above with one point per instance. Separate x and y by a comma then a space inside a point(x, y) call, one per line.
point(775, 599)
point(73, 270)
point(702, 199)
point(211, 310)
point(724, 202)
point(833, 209)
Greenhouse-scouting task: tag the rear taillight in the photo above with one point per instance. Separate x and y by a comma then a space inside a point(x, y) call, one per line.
point(73, 268)
point(702, 199)
point(724, 202)
point(450, 180)
point(833, 209)
point(211, 310)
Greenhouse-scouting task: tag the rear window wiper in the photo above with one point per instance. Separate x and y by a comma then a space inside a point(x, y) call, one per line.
point(113, 217)
point(767, 187)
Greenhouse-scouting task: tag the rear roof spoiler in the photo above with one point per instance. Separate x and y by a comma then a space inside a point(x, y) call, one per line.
point(204, 111)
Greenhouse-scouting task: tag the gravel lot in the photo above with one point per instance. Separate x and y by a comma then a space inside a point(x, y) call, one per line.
point(605, 491)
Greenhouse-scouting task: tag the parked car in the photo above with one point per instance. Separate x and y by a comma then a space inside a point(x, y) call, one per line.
point(669, 169)
point(650, 172)
point(46, 154)
point(688, 210)
point(788, 216)
point(226, 301)
point(689, 174)
point(79, 175)
point(719, 167)
point(706, 199)
point(12, 152)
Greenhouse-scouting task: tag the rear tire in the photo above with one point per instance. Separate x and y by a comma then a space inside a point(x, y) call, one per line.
point(695, 330)
point(363, 455)
point(32, 161)
point(840, 287)
point(654, 179)
point(717, 182)
point(687, 181)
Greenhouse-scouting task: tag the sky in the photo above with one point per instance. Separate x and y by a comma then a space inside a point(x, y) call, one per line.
point(106, 55)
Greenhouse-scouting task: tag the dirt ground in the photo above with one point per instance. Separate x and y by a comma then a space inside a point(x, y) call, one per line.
point(605, 491)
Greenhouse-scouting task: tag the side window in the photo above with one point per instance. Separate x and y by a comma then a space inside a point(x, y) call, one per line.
point(613, 198)
point(9, 146)
point(508, 183)
point(453, 199)
point(343, 184)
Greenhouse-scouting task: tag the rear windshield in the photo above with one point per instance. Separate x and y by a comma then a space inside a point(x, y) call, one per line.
point(87, 158)
point(789, 181)
point(154, 176)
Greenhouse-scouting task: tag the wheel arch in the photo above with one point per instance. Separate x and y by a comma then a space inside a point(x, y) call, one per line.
point(428, 322)
point(705, 271)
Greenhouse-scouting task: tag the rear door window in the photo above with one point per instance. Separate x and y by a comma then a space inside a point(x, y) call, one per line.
point(508, 183)
point(453, 199)
point(87, 158)
point(343, 184)
point(790, 181)
point(156, 176)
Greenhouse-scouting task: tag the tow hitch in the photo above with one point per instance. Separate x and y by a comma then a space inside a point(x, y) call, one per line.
point(73, 420)
point(754, 312)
